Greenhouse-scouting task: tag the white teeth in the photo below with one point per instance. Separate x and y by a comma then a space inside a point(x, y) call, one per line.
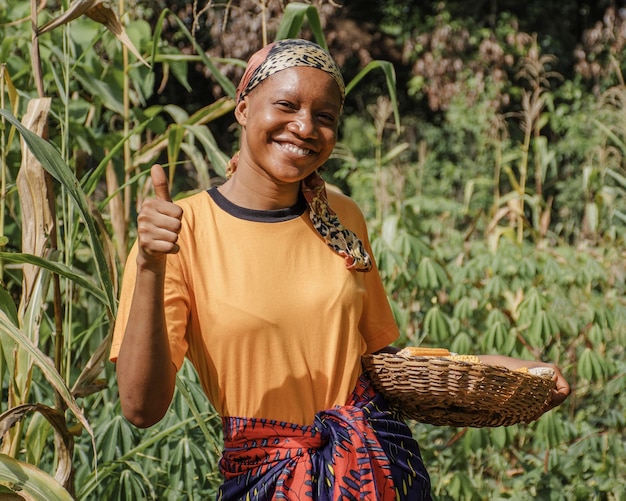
point(294, 149)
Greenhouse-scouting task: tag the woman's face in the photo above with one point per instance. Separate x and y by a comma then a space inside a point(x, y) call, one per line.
point(289, 124)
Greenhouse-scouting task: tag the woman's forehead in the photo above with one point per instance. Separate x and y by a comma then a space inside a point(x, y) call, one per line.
point(302, 79)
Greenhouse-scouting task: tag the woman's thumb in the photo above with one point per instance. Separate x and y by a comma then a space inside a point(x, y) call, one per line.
point(159, 181)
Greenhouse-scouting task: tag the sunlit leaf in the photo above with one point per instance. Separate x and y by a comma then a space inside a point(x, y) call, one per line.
point(201, 117)
point(64, 444)
point(436, 325)
point(46, 366)
point(99, 11)
point(27, 480)
point(175, 135)
point(104, 472)
point(77, 277)
point(35, 194)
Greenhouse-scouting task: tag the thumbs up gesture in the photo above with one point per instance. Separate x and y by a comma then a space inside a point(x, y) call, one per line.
point(159, 222)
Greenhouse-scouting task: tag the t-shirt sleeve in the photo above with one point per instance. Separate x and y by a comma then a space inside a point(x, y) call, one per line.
point(378, 326)
point(176, 307)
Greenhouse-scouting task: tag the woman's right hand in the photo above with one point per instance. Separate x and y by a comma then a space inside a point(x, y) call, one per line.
point(158, 224)
point(146, 375)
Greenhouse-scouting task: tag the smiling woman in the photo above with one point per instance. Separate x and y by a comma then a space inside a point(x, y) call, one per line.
point(289, 129)
point(266, 284)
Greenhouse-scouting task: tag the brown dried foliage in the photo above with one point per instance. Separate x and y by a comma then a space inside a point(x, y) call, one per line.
point(448, 58)
point(598, 56)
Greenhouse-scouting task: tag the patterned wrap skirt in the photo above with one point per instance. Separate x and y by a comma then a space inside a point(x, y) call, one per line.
point(361, 450)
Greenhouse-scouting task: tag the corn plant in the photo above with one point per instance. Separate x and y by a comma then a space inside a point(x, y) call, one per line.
point(68, 268)
point(71, 188)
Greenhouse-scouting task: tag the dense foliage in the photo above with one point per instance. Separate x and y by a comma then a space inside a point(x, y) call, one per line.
point(496, 200)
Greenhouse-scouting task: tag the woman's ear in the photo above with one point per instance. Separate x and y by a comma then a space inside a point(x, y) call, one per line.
point(241, 111)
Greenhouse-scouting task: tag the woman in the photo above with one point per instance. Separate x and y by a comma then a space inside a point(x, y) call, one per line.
point(267, 286)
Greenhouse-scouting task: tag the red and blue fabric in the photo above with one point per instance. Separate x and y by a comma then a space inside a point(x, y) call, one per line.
point(360, 451)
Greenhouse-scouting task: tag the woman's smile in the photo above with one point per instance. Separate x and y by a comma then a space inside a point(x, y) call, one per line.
point(292, 148)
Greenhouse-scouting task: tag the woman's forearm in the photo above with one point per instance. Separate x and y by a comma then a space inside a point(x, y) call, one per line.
point(145, 372)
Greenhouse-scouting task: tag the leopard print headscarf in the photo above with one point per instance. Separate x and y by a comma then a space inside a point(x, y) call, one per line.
point(271, 59)
point(285, 54)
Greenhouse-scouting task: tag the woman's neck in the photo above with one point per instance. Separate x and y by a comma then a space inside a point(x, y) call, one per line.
point(251, 192)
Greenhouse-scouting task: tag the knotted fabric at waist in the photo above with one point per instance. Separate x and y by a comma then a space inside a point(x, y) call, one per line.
point(344, 454)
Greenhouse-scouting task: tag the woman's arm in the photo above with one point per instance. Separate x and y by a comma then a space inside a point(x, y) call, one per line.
point(146, 374)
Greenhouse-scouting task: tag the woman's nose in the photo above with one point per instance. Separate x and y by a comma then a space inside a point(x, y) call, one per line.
point(302, 124)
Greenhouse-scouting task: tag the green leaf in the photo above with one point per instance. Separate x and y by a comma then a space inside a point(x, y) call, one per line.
point(616, 139)
point(82, 280)
point(495, 287)
point(37, 437)
point(585, 366)
point(107, 470)
point(498, 436)
point(115, 438)
point(23, 478)
point(46, 366)
point(187, 396)
point(464, 308)
point(201, 117)
point(542, 329)
point(436, 325)
point(390, 78)
point(91, 182)
point(532, 305)
point(224, 82)
point(177, 63)
point(175, 135)
point(107, 93)
point(216, 156)
point(463, 344)
point(293, 19)
point(52, 161)
point(430, 274)
point(549, 430)
point(7, 304)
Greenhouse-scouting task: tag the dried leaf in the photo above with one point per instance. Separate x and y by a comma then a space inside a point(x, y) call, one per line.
point(74, 11)
point(100, 12)
point(104, 15)
point(10, 88)
point(63, 438)
point(88, 382)
point(34, 193)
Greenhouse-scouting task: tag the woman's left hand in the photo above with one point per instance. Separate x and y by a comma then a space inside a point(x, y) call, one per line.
point(561, 387)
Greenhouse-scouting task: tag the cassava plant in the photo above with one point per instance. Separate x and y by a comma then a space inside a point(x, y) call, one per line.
point(502, 281)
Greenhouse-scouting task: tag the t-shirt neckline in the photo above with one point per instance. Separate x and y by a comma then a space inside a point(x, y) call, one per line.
point(261, 216)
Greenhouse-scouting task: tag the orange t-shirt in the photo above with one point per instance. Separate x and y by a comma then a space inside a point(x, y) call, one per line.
point(269, 316)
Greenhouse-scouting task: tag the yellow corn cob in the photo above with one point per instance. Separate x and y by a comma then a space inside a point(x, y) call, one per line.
point(419, 351)
point(471, 359)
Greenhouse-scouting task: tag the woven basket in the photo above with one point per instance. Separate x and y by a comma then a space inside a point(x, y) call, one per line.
point(444, 392)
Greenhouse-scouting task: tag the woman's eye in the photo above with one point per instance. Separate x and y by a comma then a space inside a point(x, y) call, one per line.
point(327, 117)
